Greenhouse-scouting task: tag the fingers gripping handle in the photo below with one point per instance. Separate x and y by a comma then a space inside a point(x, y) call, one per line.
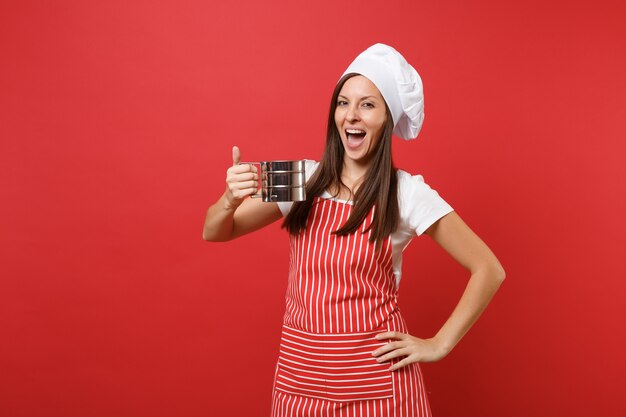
point(259, 194)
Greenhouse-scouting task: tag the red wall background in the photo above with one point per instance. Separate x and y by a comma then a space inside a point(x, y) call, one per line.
point(116, 122)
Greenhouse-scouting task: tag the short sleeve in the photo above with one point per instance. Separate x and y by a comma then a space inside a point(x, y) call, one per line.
point(420, 205)
point(309, 168)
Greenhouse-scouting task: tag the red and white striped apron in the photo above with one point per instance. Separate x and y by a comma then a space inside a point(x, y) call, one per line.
point(340, 294)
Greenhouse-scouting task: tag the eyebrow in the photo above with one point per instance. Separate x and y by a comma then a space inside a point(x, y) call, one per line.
point(362, 98)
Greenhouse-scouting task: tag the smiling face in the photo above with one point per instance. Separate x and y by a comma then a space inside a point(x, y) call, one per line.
point(360, 117)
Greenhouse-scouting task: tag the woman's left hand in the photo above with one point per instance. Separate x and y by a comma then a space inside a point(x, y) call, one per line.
point(413, 348)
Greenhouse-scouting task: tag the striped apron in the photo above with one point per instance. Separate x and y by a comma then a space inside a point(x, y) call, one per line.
point(340, 294)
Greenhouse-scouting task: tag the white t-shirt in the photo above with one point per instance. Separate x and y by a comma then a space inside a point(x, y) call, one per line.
point(420, 206)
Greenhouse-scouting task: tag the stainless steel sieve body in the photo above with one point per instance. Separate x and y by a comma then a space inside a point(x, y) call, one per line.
point(282, 180)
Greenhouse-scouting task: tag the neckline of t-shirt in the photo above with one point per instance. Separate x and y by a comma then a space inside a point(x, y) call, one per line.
point(327, 196)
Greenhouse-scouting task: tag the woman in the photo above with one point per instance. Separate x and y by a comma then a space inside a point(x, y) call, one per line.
point(345, 346)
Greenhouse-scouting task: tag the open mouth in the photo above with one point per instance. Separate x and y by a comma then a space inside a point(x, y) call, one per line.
point(355, 136)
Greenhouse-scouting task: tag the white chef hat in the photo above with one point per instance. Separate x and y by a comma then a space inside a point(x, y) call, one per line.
point(398, 82)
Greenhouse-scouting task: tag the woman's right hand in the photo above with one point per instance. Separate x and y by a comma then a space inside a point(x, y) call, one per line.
point(234, 215)
point(241, 181)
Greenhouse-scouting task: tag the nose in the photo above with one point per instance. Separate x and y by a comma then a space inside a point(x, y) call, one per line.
point(353, 113)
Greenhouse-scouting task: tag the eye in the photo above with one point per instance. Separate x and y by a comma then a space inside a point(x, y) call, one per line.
point(341, 102)
point(368, 104)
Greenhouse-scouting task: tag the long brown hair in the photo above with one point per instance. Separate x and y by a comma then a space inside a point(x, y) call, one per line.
point(379, 187)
